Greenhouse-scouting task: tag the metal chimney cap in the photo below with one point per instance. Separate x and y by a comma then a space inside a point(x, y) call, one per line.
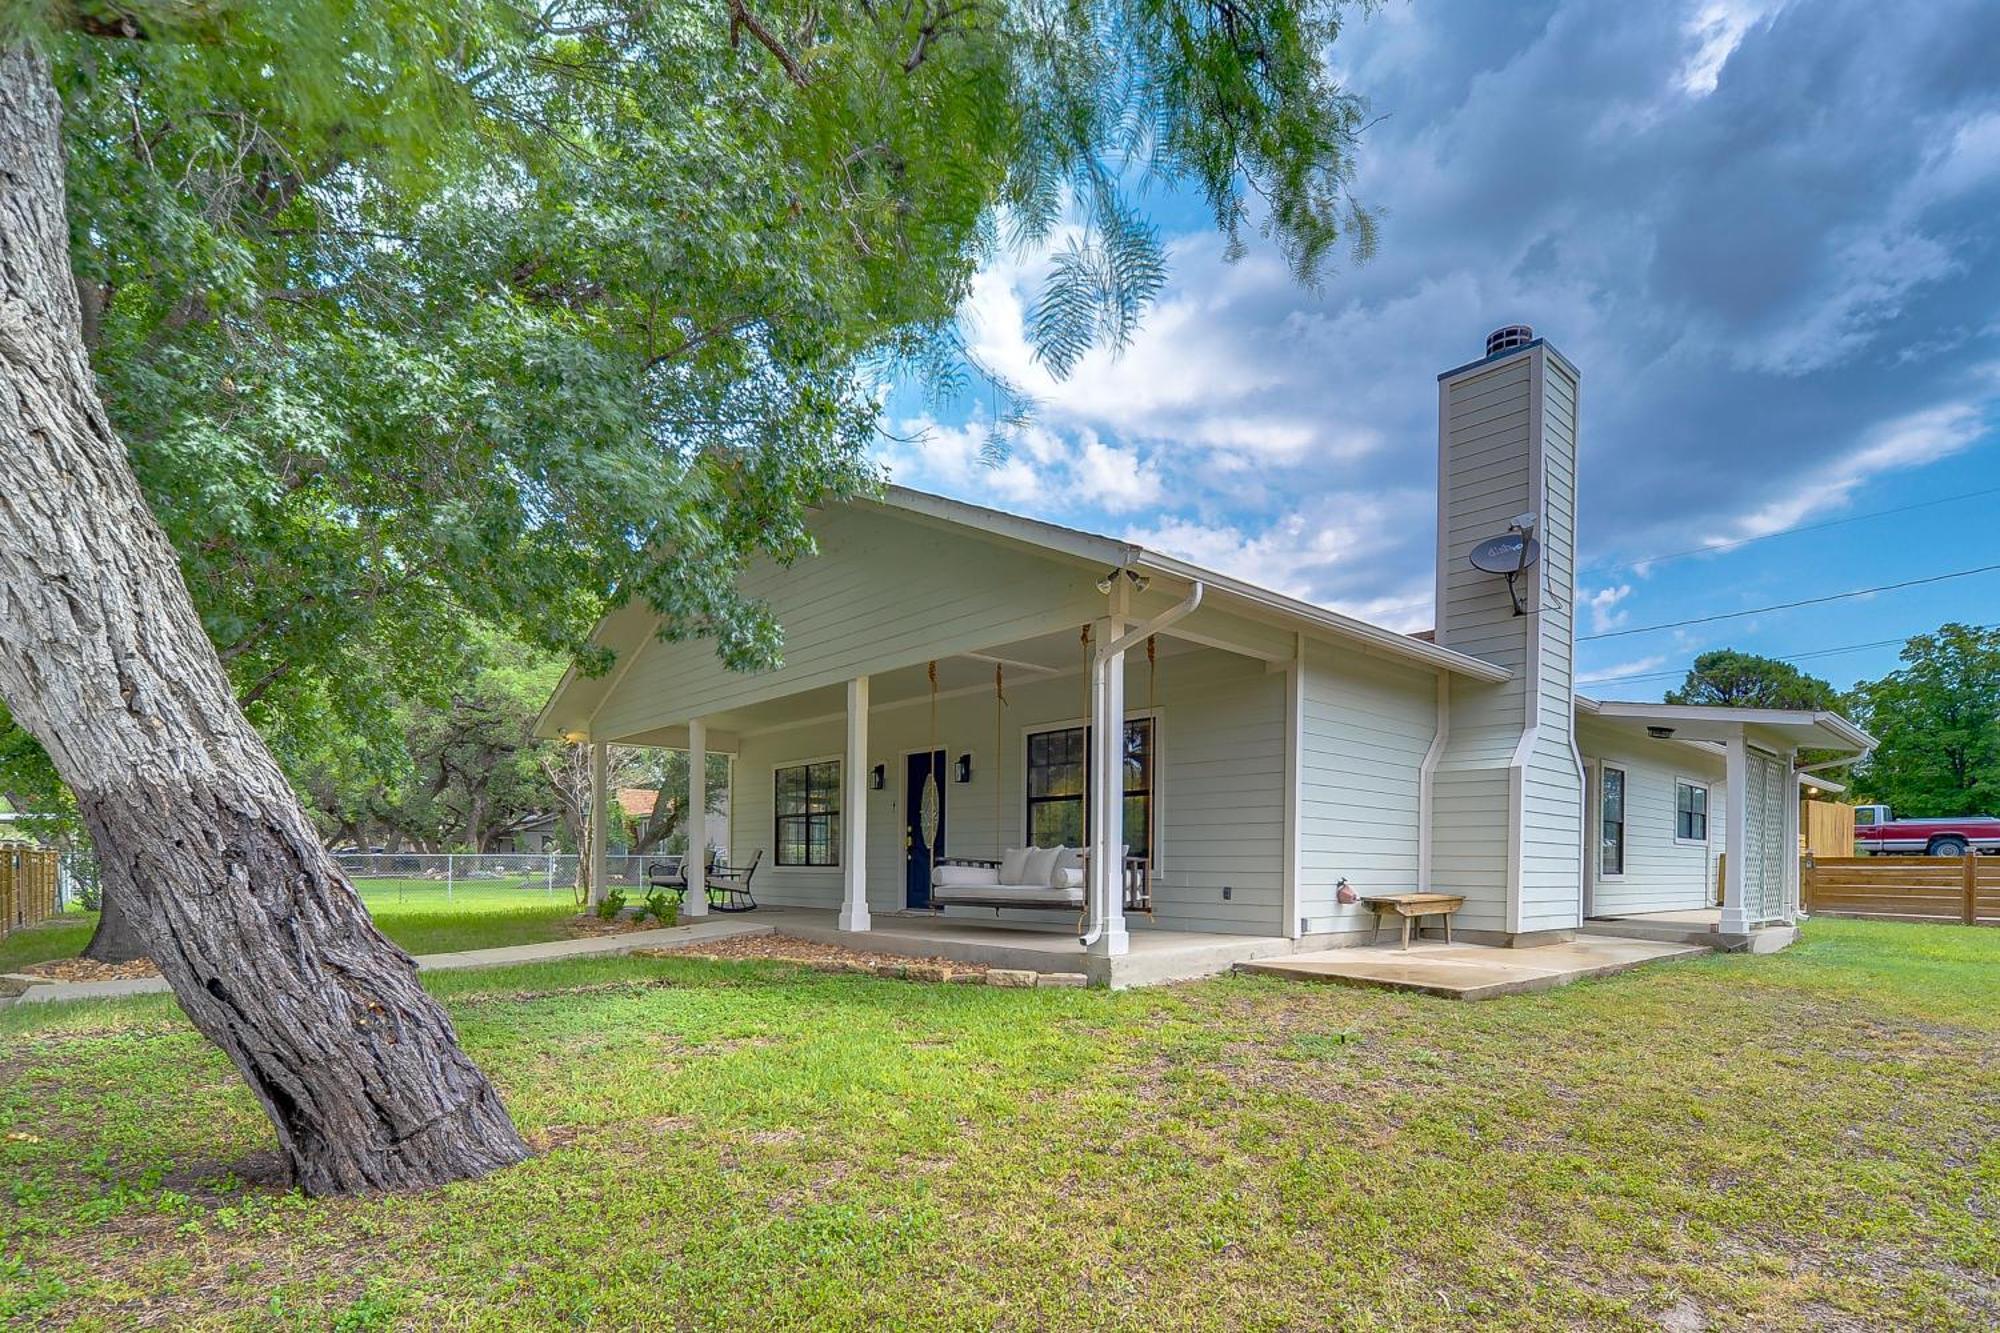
point(1508, 337)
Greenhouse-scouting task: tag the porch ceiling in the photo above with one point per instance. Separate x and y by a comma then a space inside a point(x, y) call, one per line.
point(1782, 727)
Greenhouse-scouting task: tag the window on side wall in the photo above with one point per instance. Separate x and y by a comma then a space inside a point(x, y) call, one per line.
point(1611, 821)
point(1058, 776)
point(1690, 811)
point(807, 801)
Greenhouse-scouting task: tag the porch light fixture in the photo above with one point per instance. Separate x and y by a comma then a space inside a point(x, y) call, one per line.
point(878, 777)
point(962, 770)
point(1138, 581)
point(1660, 733)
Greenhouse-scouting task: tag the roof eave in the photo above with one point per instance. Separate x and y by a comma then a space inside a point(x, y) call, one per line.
point(1319, 617)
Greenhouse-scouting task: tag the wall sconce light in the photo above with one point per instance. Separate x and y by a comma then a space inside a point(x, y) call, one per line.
point(962, 770)
point(878, 777)
point(1110, 580)
point(1660, 733)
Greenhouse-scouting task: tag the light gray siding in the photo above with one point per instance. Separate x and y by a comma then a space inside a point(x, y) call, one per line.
point(1367, 725)
point(885, 590)
point(1552, 785)
point(1662, 872)
point(1219, 788)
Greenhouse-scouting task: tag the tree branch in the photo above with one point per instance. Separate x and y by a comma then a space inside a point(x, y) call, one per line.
point(741, 19)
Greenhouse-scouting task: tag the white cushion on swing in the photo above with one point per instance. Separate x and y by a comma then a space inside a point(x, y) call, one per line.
point(1038, 868)
point(1013, 864)
point(1068, 870)
point(964, 877)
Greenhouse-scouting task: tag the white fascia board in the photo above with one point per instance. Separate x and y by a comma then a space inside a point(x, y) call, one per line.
point(1835, 731)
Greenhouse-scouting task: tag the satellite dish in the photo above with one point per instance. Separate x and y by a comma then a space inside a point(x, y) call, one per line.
point(1510, 553)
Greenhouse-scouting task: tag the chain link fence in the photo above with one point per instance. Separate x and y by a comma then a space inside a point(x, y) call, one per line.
point(464, 876)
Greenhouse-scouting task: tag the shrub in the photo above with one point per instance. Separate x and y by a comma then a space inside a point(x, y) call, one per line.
point(613, 904)
point(660, 905)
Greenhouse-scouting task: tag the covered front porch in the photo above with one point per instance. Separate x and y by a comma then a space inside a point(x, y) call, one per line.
point(955, 687)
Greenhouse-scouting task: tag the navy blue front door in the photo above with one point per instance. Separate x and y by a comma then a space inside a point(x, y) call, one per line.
point(917, 857)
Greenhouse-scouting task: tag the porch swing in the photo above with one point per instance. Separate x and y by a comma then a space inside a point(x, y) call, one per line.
point(1035, 878)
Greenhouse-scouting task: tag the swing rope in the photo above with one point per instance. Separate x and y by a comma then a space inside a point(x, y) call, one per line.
point(930, 812)
point(999, 706)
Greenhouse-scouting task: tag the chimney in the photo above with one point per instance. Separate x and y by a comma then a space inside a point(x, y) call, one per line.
point(1507, 461)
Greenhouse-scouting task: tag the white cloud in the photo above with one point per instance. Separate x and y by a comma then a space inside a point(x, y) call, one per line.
point(1603, 605)
point(1907, 442)
point(1715, 30)
point(1115, 479)
point(1303, 557)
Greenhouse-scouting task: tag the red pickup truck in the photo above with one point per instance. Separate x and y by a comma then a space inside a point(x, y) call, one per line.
point(1875, 832)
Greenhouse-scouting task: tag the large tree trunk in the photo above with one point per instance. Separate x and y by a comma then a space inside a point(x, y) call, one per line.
point(117, 938)
point(103, 659)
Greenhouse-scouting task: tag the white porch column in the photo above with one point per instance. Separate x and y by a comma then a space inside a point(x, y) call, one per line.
point(854, 811)
point(1736, 770)
point(600, 819)
point(1107, 792)
point(697, 820)
point(1790, 760)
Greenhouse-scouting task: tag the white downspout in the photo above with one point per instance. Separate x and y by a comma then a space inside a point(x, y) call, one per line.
point(1103, 884)
point(1426, 779)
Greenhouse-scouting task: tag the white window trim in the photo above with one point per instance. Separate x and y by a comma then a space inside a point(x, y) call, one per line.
point(1597, 823)
point(1158, 717)
point(771, 818)
point(1707, 807)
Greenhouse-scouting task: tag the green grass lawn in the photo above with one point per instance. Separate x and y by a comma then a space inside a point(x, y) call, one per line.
point(414, 913)
point(1810, 1139)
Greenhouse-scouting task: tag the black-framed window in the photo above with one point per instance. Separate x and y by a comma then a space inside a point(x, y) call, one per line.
point(1058, 786)
point(807, 831)
point(1611, 821)
point(1691, 811)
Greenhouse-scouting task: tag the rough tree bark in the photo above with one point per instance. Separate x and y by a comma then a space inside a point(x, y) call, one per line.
point(103, 659)
point(117, 938)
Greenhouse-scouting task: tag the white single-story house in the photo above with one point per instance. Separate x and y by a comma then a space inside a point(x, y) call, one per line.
point(959, 683)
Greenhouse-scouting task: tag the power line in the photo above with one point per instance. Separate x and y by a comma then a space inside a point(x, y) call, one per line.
point(1731, 545)
point(1788, 606)
point(1793, 657)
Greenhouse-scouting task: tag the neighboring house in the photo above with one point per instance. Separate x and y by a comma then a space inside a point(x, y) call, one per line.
point(1270, 749)
point(636, 806)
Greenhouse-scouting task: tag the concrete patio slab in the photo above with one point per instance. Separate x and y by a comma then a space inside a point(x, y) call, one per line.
point(1472, 971)
point(1697, 925)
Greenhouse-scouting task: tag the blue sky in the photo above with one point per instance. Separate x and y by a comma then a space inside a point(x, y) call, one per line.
point(1764, 231)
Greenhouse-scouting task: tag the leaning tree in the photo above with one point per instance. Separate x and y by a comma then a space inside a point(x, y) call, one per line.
point(324, 318)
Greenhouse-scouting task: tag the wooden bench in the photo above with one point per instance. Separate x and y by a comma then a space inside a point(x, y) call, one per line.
point(1413, 907)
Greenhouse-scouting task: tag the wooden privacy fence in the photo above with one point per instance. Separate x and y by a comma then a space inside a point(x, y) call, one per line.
point(1826, 828)
point(1903, 888)
point(27, 888)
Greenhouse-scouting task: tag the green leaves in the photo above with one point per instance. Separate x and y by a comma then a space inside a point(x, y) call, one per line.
point(1744, 680)
point(1938, 721)
point(418, 315)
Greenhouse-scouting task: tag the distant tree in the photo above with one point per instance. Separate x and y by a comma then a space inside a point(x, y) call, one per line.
point(1733, 679)
point(666, 776)
point(1937, 719)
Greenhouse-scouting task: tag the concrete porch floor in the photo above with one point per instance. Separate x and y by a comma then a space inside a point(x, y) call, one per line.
point(1157, 955)
point(1472, 971)
point(1694, 925)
